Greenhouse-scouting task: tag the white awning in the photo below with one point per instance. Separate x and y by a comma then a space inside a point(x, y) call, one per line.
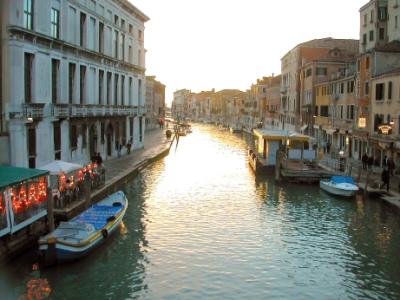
point(304, 127)
point(330, 130)
point(316, 126)
point(58, 166)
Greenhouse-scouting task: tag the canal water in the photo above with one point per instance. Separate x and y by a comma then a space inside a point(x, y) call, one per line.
point(201, 225)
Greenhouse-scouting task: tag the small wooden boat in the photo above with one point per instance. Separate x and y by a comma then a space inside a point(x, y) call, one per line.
point(340, 186)
point(82, 234)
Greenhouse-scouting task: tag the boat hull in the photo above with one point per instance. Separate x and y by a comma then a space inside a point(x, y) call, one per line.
point(54, 249)
point(338, 191)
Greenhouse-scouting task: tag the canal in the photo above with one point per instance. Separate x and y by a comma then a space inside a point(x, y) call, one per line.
point(201, 225)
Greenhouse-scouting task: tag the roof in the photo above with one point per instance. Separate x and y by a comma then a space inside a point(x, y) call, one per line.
point(14, 175)
point(58, 166)
point(280, 134)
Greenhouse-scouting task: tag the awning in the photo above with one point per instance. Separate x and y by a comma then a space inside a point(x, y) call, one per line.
point(14, 175)
point(304, 127)
point(316, 126)
point(58, 166)
point(330, 130)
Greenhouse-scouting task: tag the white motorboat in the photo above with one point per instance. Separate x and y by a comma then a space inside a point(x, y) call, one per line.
point(340, 186)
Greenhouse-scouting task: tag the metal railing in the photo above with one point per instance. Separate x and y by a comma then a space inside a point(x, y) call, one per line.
point(41, 110)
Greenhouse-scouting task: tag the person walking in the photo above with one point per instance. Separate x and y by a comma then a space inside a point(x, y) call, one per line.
point(385, 178)
point(364, 160)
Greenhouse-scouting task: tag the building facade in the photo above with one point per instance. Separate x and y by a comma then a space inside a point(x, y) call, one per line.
point(155, 102)
point(75, 81)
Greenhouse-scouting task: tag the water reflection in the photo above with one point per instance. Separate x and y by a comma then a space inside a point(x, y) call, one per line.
point(201, 225)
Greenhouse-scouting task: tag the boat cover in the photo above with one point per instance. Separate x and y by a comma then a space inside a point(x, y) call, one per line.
point(97, 215)
point(342, 179)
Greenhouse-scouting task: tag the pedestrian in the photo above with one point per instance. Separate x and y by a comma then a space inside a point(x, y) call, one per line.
point(328, 147)
point(99, 159)
point(364, 160)
point(119, 150)
point(128, 147)
point(385, 178)
point(385, 162)
point(391, 166)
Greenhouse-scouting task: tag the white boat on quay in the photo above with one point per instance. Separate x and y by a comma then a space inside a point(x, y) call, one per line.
point(339, 186)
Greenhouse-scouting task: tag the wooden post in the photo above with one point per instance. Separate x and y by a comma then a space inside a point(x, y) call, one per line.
point(50, 210)
point(359, 174)
point(366, 182)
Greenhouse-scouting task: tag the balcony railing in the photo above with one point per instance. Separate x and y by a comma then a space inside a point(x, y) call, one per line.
point(37, 111)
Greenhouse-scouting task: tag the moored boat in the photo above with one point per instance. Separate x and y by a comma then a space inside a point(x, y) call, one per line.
point(339, 186)
point(82, 234)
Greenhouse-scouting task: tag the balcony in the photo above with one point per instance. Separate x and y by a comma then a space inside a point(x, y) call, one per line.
point(27, 111)
point(38, 111)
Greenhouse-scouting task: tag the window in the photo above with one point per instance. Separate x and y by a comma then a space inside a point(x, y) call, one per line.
point(322, 71)
point(379, 91)
point(367, 63)
point(116, 44)
point(101, 37)
point(28, 76)
point(123, 24)
point(82, 30)
point(122, 46)
point(102, 131)
point(140, 37)
point(108, 92)
point(139, 91)
point(395, 22)
point(101, 86)
point(116, 19)
point(55, 23)
point(139, 57)
point(130, 54)
point(365, 20)
point(28, 14)
point(73, 138)
point(371, 35)
point(71, 83)
point(390, 87)
point(372, 16)
point(350, 112)
point(366, 88)
point(31, 147)
point(364, 42)
point(382, 13)
point(116, 77)
point(324, 111)
point(130, 28)
point(308, 72)
point(381, 33)
point(122, 89)
point(84, 136)
point(57, 140)
point(378, 120)
point(82, 85)
point(130, 90)
point(341, 91)
point(55, 80)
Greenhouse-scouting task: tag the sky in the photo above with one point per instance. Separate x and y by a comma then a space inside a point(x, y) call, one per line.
point(228, 44)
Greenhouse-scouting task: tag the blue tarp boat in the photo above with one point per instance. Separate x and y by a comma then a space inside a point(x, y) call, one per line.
point(340, 186)
point(82, 234)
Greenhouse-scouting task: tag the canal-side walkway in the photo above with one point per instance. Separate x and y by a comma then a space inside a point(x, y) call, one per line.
point(122, 169)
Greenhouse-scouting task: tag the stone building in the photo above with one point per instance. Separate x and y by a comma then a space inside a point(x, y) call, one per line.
point(73, 79)
point(155, 102)
point(291, 63)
